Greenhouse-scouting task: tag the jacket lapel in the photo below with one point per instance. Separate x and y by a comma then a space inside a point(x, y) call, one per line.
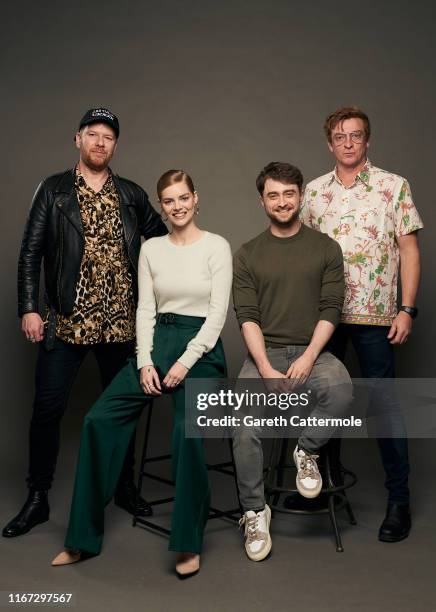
point(124, 210)
point(66, 200)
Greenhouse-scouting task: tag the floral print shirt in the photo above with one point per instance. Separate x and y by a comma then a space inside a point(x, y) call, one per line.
point(365, 218)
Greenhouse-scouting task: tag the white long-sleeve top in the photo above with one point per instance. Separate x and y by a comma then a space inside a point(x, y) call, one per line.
point(193, 280)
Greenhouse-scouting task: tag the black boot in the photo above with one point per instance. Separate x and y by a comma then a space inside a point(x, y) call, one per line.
point(396, 525)
point(36, 510)
point(127, 498)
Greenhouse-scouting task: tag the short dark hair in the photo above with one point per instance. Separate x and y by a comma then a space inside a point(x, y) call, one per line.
point(282, 172)
point(174, 176)
point(341, 114)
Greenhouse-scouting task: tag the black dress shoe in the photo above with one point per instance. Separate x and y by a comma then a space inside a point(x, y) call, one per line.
point(396, 525)
point(36, 510)
point(126, 497)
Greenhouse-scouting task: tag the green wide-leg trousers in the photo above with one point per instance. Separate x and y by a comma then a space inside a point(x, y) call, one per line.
point(108, 428)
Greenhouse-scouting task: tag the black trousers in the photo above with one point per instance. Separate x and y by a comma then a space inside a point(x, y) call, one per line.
point(56, 371)
point(376, 359)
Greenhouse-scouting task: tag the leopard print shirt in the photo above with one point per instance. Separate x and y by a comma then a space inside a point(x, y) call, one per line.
point(104, 310)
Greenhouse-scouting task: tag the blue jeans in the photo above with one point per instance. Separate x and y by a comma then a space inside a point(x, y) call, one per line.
point(376, 360)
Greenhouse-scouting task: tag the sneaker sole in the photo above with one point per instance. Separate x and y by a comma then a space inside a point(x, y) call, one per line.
point(308, 494)
point(262, 554)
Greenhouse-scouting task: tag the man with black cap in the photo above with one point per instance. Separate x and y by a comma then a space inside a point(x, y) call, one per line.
point(86, 225)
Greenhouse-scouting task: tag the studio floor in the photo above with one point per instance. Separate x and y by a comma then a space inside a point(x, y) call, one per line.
point(304, 571)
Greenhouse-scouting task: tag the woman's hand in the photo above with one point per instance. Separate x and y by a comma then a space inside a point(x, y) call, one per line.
point(175, 375)
point(149, 380)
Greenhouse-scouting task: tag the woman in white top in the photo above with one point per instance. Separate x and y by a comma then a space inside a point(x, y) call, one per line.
point(184, 282)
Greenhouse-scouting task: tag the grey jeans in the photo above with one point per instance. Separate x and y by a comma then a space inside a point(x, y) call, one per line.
point(330, 381)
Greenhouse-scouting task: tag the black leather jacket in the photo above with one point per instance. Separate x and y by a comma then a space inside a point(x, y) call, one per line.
point(54, 232)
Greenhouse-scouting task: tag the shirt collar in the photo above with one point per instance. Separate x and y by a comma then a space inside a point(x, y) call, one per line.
point(362, 176)
point(80, 181)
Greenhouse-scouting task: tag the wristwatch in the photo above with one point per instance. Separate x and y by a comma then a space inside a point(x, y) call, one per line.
point(411, 310)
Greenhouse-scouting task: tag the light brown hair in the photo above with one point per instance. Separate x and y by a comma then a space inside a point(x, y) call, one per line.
point(340, 115)
point(174, 176)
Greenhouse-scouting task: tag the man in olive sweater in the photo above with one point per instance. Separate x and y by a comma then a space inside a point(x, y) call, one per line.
point(288, 292)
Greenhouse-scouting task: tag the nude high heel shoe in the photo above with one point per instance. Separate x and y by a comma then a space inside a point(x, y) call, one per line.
point(187, 565)
point(66, 557)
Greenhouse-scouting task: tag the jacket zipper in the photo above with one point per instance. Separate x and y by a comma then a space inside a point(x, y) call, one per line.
point(124, 225)
point(130, 242)
point(60, 262)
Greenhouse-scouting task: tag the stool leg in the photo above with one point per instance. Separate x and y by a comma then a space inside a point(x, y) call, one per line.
point(331, 503)
point(334, 453)
point(328, 469)
point(143, 458)
point(332, 513)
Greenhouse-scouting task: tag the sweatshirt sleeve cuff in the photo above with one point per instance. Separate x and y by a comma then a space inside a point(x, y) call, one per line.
point(330, 314)
point(188, 359)
point(247, 318)
point(143, 359)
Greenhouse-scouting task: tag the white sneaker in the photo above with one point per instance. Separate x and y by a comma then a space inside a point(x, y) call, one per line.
point(257, 539)
point(308, 480)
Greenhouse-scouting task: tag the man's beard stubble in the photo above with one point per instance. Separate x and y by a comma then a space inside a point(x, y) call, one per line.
point(285, 224)
point(96, 167)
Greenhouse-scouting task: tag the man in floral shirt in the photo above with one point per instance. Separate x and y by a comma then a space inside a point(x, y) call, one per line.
point(370, 212)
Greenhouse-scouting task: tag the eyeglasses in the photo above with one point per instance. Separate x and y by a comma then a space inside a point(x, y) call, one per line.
point(356, 137)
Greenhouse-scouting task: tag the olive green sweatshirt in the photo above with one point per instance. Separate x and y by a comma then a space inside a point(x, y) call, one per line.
point(287, 285)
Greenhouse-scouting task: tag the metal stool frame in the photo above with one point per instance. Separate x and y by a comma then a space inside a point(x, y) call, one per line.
point(226, 467)
point(275, 489)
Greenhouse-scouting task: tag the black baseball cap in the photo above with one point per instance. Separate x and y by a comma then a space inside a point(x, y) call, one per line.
point(100, 115)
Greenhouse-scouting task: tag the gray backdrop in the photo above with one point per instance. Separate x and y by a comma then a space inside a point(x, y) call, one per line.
point(219, 89)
